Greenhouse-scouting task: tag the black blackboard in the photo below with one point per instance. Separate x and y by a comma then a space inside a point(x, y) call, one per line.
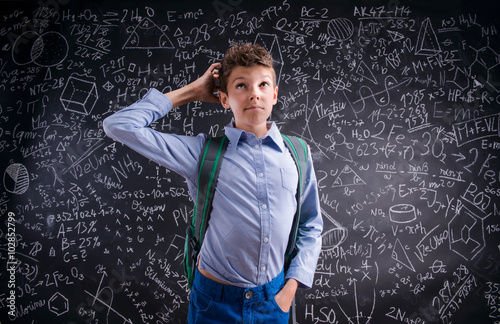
point(397, 99)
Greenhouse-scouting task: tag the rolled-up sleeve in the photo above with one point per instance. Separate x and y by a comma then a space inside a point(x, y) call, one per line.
point(130, 126)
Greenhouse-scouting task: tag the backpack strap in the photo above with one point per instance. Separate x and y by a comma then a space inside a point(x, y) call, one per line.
point(298, 150)
point(208, 173)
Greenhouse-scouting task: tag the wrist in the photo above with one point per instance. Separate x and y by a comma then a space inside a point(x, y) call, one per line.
point(181, 96)
point(290, 287)
point(292, 284)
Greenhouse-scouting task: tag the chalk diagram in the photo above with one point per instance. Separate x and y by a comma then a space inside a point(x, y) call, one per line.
point(16, 179)
point(395, 36)
point(79, 95)
point(105, 296)
point(486, 65)
point(333, 237)
point(340, 29)
point(348, 178)
point(365, 72)
point(158, 177)
point(271, 44)
point(460, 78)
point(338, 138)
point(46, 50)
point(381, 98)
point(108, 86)
point(147, 35)
point(402, 214)
point(399, 254)
point(427, 42)
point(466, 233)
point(362, 312)
point(58, 304)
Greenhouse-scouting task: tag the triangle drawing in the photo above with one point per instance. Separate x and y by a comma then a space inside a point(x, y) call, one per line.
point(399, 254)
point(147, 35)
point(348, 178)
point(427, 42)
point(364, 71)
point(271, 44)
point(395, 36)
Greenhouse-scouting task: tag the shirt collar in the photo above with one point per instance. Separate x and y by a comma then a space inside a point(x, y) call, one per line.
point(272, 138)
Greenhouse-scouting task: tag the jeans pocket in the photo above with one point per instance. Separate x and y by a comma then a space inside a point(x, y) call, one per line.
point(200, 301)
point(273, 300)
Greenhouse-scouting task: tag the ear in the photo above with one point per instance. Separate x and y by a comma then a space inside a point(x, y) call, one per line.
point(224, 99)
point(275, 96)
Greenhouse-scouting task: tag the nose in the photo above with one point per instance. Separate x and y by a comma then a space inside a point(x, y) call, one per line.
point(254, 94)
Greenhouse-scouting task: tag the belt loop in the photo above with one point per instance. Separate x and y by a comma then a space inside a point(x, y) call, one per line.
point(272, 287)
point(221, 294)
point(266, 291)
point(269, 290)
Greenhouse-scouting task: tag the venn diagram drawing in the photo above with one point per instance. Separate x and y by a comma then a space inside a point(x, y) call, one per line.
point(46, 50)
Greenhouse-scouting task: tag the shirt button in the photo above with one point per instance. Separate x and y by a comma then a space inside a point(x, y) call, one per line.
point(249, 294)
point(256, 146)
point(264, 206)
point(261, 175)
point(266, 240)
point(262, 268)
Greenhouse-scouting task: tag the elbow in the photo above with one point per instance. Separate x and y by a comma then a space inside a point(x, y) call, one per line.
point(109, 126)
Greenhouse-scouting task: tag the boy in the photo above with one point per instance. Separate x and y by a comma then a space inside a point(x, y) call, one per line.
point(239, 276)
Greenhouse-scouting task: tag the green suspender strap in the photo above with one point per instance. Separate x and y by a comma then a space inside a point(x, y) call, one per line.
point(209, 167)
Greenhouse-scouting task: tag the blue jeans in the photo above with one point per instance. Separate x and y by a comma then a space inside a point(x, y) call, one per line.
point(212, 302)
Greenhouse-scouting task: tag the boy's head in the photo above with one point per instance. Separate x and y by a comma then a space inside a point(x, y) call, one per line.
point(248, 87)
point(245, 55)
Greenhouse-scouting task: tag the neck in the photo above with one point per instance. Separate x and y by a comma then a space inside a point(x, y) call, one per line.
point(258, 130)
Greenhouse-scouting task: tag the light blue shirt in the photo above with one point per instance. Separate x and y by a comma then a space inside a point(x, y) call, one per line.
point(254, 203)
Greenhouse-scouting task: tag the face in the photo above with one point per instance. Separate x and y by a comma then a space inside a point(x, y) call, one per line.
point(251, 95)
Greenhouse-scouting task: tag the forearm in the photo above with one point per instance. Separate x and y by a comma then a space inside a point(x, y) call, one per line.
point(128, 121)
point(182, 95)
point(202, 89)
point(175, 152)
point(285, 296)
point(290, 288)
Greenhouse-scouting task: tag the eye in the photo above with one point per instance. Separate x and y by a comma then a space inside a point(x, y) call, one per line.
point(240, 86)
point(264, 84)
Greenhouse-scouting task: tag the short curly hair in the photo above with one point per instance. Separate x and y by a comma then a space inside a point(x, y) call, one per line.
point(247, 55)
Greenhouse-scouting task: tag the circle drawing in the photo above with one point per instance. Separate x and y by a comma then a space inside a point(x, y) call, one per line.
point(16, 179)
point(340, 29)
point(333, 238)
point(21, 50)
point(402, 213)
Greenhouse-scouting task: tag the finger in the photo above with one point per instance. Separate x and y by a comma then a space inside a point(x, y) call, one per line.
point(211, 69)
point(214, 67)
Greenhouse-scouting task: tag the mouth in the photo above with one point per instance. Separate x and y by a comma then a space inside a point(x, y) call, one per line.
point(253, 108)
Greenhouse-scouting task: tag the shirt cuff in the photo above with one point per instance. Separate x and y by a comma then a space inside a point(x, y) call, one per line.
point(304, 278)
point(159, 100)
